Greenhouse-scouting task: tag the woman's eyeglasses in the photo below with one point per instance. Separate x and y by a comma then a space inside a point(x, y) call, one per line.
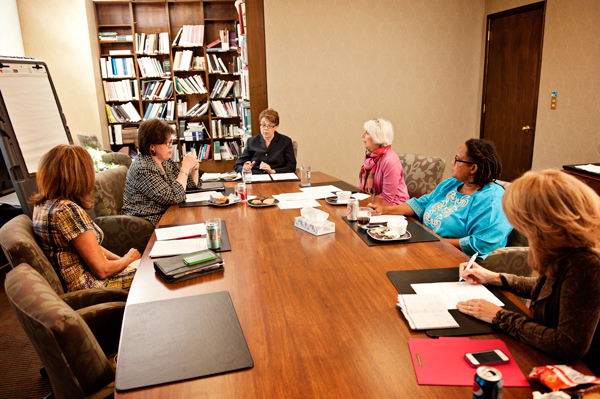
point(169, 143)
point(459, 160)
point(267, 126)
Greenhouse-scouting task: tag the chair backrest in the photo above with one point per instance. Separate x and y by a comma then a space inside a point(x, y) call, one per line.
point(20, 246)
point(295, 145)
point(422, 173)
point(109, 189)
point(89, 140)
point(75, 362)
point(516, 239)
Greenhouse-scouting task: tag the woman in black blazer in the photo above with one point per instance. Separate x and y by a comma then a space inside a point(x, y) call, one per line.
point(269, 152)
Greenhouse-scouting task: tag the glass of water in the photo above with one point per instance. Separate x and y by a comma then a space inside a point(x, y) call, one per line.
point(305, 176)
point(247, 176)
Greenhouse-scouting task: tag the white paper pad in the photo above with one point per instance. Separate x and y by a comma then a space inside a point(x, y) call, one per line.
point(425, 312)
point(589, 168)
point(360, 196)
point(298, 204)
point(285, 176)
point(177, 247)
point(196, 197)
point(314, 195)
point(328, 189)
point(386, 218)
point(210, 176)
point(175, 232)
point(259, 178)
point(452, 293)
point(11, 199)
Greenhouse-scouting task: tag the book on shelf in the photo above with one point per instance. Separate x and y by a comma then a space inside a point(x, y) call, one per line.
point(425, 312)
point(183, 60)
point(213, 44)
point(114, 38)
point(124, 90)
point(217, 151)
point(164, 111)
point(118, 131)
point(122, 113)
point(199, 64)
point(240, 7)
point(190, 36)
point(216, 64)
point(167, 67)
point(119, 52)
point(112, 67)
point(152, 43)
point(129, 135)
point(199, 109)
point(190, 85)
point(224, 36)
point(233, 40)
point(150, 68)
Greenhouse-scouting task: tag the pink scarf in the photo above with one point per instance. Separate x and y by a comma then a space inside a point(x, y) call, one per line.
point(367, 170)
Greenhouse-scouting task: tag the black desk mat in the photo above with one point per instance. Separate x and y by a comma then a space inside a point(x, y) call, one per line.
point(228, 190)
point(225, 244)
point(468, 325)
point(179, 339)
point(574, 168)
point(418, 234)
point(342, 185)
point(207, 186)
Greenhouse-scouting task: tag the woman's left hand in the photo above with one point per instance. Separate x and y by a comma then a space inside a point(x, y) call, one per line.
point(479, 308)
point(265, 166)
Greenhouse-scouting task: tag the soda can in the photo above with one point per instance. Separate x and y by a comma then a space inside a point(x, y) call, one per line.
point(488, 383)
point(352, 211)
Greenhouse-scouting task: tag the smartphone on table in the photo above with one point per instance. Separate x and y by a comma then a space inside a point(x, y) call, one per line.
point(486, 358)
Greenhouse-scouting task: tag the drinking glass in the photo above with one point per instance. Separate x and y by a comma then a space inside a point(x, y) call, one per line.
point(364, 216)
point(240, 191)
point(247, 176)
point(304, 176)
point(213, 233)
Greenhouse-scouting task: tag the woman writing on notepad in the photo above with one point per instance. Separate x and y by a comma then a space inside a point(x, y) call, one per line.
point(465, 209)
point(381, 173)
point(269, 152)
point(560, 216)
point(154, 181)
point(67, 235)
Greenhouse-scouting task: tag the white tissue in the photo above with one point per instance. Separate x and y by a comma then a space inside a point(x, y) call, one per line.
point(313, 215)
point(551, 395)
point(232, 198)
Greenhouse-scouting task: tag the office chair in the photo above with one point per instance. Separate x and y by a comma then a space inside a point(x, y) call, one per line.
point(91, 140)
point(422, 173)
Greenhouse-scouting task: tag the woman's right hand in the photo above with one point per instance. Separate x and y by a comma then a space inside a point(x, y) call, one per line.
point(189, 163)
point(131, 255)
point(248, 165)
point(479, 275)
point(377, 209)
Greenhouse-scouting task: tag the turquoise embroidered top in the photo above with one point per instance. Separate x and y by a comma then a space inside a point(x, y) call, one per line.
point(477, 219)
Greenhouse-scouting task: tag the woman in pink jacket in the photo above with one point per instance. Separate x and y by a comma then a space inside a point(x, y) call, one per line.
point(381, 172)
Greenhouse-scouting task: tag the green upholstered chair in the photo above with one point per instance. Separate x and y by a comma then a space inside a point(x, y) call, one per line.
point(510, 259)
point(91, 140)
point(422, 173)
point(72, 344)
point(20, 246)
point(121, 232)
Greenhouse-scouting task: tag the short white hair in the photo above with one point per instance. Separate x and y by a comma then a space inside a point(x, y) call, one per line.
point(381, 131)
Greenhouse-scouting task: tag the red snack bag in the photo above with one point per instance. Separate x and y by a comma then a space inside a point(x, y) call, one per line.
point(561, 377)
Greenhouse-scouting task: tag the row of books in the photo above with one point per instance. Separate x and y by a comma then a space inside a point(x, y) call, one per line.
point(224, 88)
point(165, 111)
point(114, 37)
point(227, 41)
point(123, 90)
point(183, 60)
point(190, 85)
point(190, 36)
point(221, 130)
point(157, 90)
point(203, 150)
point(175, 154)
point(226, 150)
point(119, 135)
point(122, 113)
point(151, 68)
point(153, 43)
point(198, 110)
point(244, 84)
point(111, 67)
point(224, 109)
point(195, 131)
point(216, 64)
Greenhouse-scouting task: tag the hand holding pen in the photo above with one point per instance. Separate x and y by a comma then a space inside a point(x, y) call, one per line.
point(469, 266)
point(475, 274)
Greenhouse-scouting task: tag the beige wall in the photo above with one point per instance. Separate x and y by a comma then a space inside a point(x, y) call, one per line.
point(58, 32)
point(571, 66)
point(332, 65)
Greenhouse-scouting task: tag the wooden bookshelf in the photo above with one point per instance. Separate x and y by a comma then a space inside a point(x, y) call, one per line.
point(128, 18)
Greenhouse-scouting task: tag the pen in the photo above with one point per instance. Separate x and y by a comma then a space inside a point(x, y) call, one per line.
point(469, 265)
point(372, 202)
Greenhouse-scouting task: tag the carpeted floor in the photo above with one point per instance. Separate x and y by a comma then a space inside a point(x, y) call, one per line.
point(19, 364)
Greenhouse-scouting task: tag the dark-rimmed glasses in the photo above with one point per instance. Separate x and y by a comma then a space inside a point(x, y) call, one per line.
point(459, 160)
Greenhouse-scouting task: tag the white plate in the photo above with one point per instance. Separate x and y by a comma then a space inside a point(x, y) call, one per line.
point(404, 237)
point(334, 201)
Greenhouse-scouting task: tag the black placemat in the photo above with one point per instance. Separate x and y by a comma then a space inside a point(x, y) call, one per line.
point(180, 339)
point(468, 325)
point(574, 168)
point(342, 185)
point(418, 234)
point(207, 186)
point(225, 244)
point(228, 190)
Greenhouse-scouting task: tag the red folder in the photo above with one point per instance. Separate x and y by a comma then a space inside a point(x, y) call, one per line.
point(442, 361)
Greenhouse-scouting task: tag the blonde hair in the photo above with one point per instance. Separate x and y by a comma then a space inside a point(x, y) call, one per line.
point(381, 131)
point(66, 172)
point(557, 213)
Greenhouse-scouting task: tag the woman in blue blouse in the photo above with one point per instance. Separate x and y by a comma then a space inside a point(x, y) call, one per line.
point(466, 209)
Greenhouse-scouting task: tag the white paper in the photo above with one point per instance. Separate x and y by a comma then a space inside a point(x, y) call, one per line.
point(259, 178)
point(175, 232)
point(425, 312)
point(297, 204)
point(455, 292)
point(284, 176)
point(202, 196)
point(386, 218)
point(210, 176)
point(299, 196)
point(360, 196)
point(589, 168)
point(329, 189)
point(177, 247)
point(11, 199)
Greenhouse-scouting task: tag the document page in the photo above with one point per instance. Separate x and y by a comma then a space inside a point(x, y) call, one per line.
point(328, 189)
point(424, 312)
point(175, 232)
point(285, 176)
point(455, 292)
point(177, 247)
point(260, 178)
point(197, 197)
point(298, 204)
point(210, 176)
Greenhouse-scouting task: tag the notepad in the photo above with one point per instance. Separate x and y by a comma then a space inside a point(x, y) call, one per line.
point(180, 231)
point(455, 292)
point(177, 247)
point(425, 312)
point(284, 176)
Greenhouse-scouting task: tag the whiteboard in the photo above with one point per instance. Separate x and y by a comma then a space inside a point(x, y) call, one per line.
point(33, 110)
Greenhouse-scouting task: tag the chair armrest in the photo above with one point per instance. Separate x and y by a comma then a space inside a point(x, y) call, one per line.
point(117, 158)
point(123, 232)
point(105, 320)
point(511, 260)
point(93, 296)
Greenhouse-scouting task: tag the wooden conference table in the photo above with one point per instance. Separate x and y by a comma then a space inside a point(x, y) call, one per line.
point(318, 313)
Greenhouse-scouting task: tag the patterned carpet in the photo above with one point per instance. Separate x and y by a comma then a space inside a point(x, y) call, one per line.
point(19, 364)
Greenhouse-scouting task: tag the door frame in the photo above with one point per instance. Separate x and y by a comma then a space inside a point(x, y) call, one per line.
point(502, 14)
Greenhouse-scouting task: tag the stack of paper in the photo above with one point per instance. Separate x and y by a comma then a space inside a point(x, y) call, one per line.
point(425, 312)
point(177, 240)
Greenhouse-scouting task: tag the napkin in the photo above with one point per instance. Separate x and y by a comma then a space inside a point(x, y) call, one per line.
point(313, 215)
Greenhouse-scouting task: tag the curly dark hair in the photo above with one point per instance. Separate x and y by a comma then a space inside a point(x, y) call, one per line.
point(489, 164)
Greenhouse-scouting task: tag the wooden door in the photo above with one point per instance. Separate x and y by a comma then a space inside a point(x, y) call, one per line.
point(510, 85)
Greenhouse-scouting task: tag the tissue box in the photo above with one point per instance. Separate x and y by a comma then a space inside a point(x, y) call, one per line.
point(319, 229)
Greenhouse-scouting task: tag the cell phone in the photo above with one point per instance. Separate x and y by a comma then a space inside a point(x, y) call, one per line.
point(199, 257)
point(491, 357)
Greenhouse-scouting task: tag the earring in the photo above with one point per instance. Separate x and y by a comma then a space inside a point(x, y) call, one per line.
point(152, 152)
